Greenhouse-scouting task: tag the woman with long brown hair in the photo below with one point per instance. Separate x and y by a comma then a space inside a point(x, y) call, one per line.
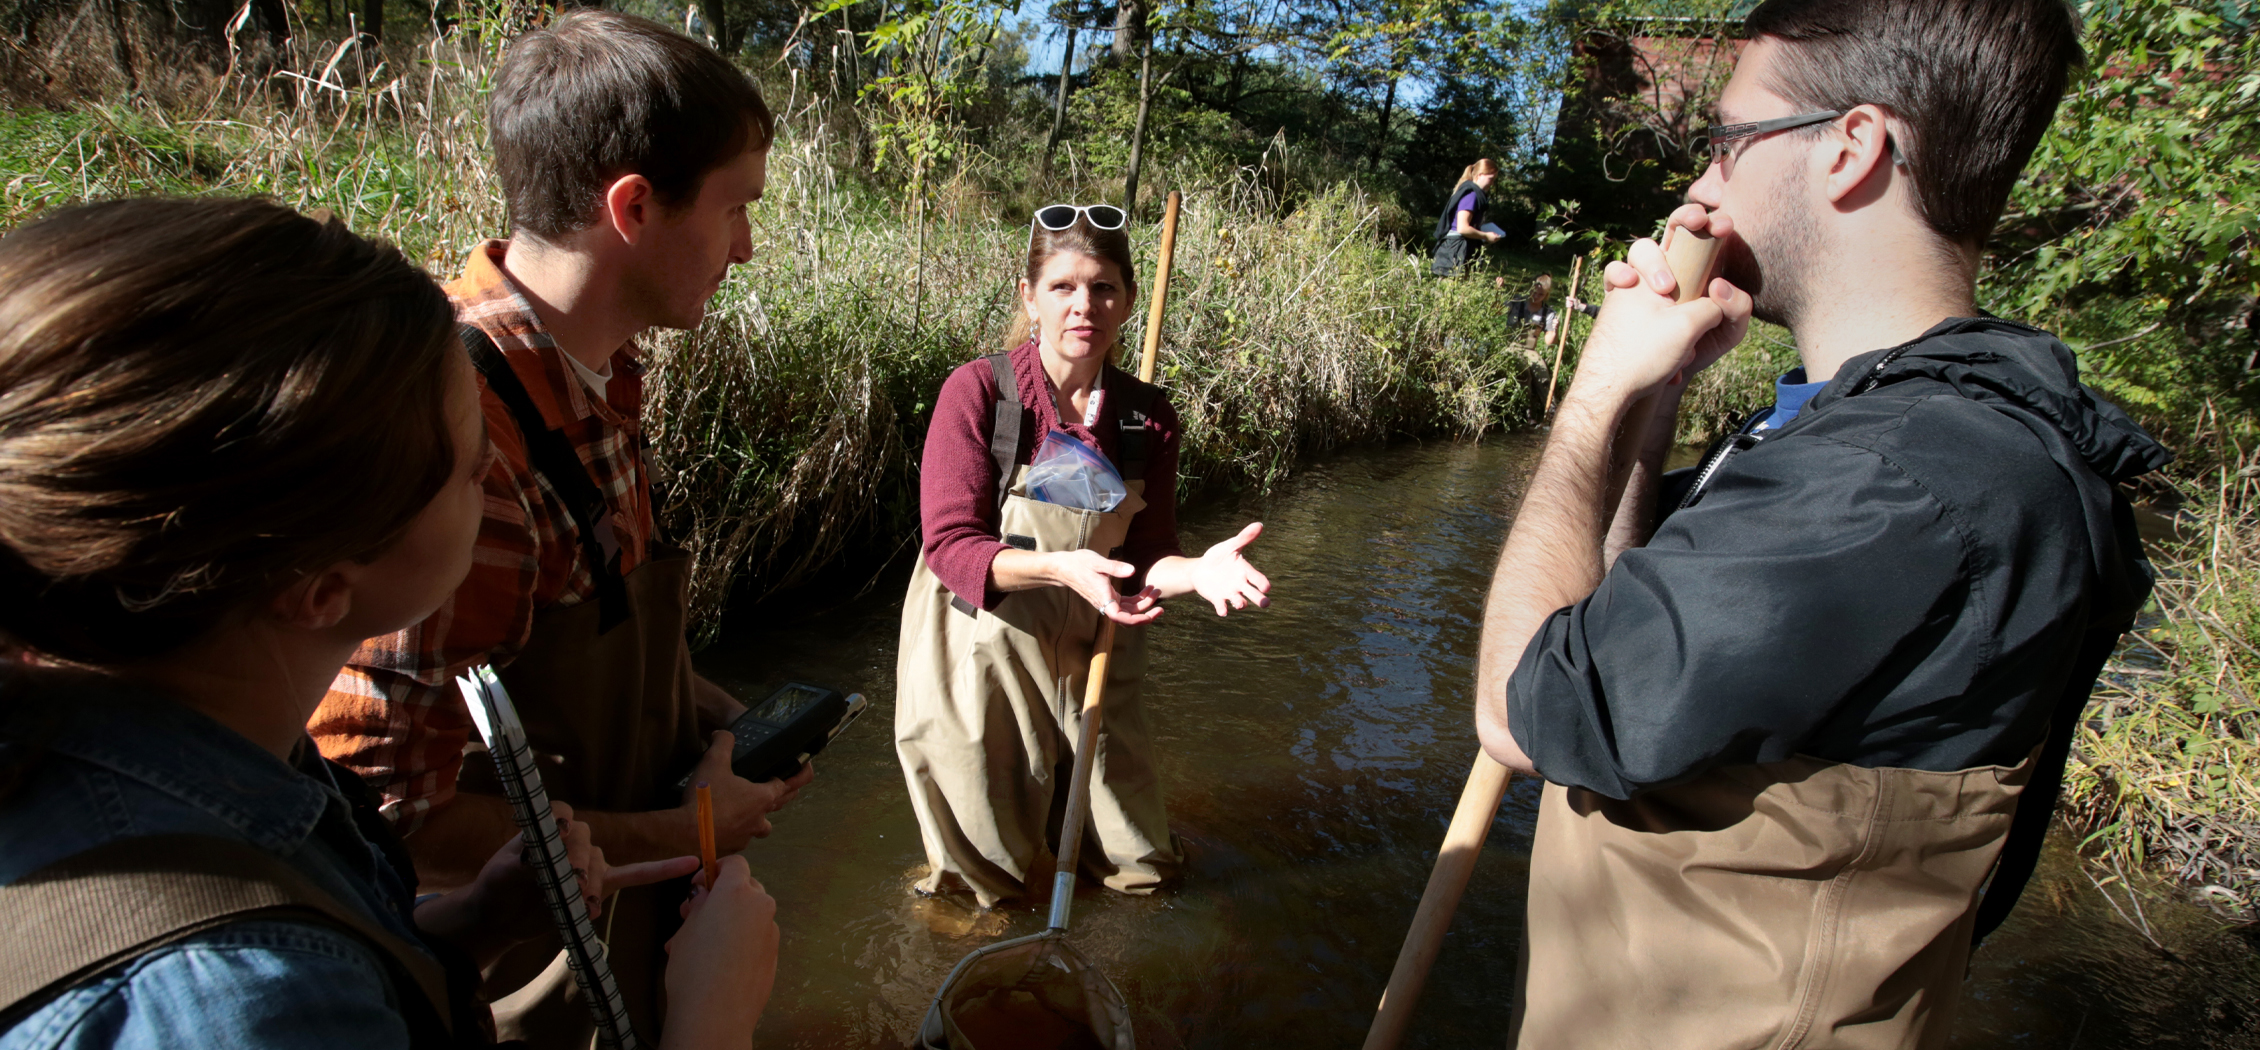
point(1460, 226)
point(236, 441)
point(1008, 593)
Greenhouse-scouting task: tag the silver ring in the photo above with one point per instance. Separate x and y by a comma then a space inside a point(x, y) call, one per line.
point(1110, 606)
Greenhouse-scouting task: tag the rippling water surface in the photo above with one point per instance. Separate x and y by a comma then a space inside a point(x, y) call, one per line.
point(1312, 754)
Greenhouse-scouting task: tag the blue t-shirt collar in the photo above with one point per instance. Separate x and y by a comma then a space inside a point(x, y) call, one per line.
point(1790, 392)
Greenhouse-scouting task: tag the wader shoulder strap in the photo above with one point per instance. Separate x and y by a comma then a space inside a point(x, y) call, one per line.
point(553, 457)
point(1132, 413)
point(92, 911)
point(2028, 829)
point(1005, 425)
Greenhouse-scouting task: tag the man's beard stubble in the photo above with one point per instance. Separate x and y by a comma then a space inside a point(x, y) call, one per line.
point(1774, 259)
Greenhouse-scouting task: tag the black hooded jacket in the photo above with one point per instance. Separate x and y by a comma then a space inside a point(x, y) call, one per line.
point(1920, 570)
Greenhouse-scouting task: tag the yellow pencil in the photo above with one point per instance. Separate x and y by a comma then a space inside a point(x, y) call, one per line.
point(711, 866)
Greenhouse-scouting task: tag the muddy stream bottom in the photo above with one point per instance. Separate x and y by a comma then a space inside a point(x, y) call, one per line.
point(1312, 754)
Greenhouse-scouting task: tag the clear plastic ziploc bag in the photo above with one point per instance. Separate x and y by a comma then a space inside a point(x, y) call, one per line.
point(1072, 474)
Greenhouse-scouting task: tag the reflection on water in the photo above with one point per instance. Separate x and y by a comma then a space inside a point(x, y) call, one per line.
point(1313, 753)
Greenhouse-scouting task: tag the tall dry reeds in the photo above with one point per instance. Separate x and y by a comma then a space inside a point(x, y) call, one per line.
point(2168, 755)
point(786, 428)
point(789, 424)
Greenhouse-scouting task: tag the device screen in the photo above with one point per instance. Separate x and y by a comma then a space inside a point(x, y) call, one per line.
point(788, 704)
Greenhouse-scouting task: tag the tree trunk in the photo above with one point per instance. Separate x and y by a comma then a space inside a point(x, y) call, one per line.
point(1059, 105)
point(121, 50)
point(1138, 131)
point(718, 16)
point(272, 18)
point(1232, 94)
point(1381, 137)
point(1129, 27)
point(373, 19)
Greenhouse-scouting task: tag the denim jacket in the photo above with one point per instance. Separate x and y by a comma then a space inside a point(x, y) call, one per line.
point(122, 765)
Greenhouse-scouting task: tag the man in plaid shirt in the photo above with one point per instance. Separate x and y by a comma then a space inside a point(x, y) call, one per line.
point(570, 594)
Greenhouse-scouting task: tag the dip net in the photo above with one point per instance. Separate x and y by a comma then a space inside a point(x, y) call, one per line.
point(1038, 992)
point(1030, 993)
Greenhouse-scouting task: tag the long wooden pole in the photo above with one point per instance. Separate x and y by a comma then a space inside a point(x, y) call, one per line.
point(1079, 790)
point(1693, 258)
point(1561, 338)
point(1455, 864)
point(1161, 288)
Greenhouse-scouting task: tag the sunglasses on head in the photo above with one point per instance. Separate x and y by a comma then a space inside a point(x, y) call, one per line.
point(1057, 217)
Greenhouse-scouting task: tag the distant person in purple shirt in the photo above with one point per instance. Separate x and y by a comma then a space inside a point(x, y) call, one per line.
point(1461, 224)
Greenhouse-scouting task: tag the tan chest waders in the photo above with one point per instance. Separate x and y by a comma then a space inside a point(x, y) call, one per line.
point(1790, 906)
point(986, 739)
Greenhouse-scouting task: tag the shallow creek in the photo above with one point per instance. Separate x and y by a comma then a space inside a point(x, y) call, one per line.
point(1313, 753)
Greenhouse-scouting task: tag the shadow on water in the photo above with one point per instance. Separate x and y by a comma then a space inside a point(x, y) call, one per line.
point(1313, 753)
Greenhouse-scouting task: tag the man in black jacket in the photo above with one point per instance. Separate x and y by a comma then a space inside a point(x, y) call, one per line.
point(1787, 736)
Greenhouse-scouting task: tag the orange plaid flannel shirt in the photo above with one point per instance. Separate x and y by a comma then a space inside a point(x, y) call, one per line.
point(393, 714)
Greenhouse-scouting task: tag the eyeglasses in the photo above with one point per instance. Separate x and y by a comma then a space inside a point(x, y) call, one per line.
point(1722, 137)
point(1057, 217)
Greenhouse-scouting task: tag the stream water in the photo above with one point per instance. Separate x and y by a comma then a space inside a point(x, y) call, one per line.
point(1313, 753)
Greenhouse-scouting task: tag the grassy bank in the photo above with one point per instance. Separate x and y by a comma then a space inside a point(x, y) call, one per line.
point(2169, 755)
point(787, 428)
point(790, 423)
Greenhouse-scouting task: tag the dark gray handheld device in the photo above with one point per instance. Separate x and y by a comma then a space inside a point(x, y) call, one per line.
point(777, 735)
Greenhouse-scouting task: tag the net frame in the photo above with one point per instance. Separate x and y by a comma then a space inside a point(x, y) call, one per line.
point(1044, 965)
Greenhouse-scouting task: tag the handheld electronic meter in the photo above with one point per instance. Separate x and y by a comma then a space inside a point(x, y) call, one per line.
point(777, 735)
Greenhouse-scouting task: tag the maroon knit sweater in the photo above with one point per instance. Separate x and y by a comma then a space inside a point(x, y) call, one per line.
point(957, 483)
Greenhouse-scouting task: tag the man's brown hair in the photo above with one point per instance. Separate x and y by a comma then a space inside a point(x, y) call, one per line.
point(201, 400)
point(601, 95)
point(1975, 83)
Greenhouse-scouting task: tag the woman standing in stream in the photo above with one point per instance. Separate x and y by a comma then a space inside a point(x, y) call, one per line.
point(1008, 592)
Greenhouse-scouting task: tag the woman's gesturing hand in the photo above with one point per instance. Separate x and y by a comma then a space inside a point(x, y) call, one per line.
point(1092, 575)
point(1224, 576)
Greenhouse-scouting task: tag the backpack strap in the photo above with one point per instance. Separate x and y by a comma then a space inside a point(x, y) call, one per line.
point(554, 459)
point(95, 910)
point(1005, 425)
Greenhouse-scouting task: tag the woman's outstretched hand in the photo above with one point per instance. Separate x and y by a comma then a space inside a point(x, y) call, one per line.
point(1224, 576)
